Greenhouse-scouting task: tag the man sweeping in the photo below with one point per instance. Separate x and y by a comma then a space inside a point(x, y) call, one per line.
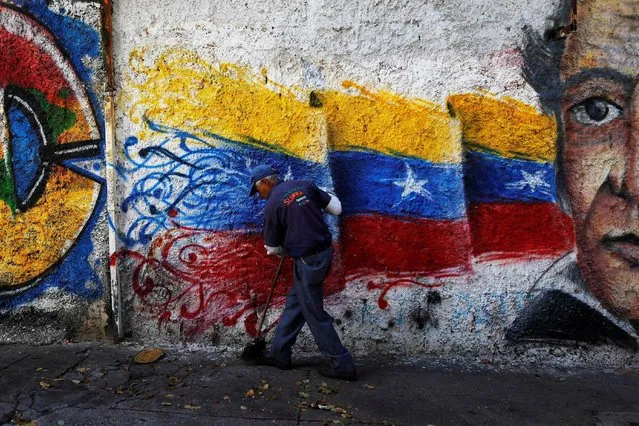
point(294, 226)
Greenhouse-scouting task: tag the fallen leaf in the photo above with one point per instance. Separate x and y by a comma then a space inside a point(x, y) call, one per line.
point(306, 382)
point(303, 394)
point(77, 382)
point(324, 388)
point(167, 403)
point(173, 383)
point(226, 397)
point(148, 356)
point(39, 369)
point(250, 393)
point(192, 407)
point(369, 386)
point(45, 385)
point(81, 369)
point(168, 395)
point(20, 421)
point(265, 386)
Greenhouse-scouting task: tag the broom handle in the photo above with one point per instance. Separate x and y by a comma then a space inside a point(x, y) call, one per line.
point(270, 295)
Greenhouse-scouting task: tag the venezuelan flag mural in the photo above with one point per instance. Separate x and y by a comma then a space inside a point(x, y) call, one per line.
point(509, 150)
point(427, 191)
point(50, 143)
point(193, 235)
point(396, 163)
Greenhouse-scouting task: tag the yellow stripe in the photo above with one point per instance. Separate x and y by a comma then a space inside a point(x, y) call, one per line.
point(390, 124)
point(505, 126)
point(180, 89)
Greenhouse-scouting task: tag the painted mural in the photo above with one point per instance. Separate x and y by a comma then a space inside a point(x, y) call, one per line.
point(427, 190)
point(436, 195)
point(50, 144)
point(196, 257)
point(591, 293)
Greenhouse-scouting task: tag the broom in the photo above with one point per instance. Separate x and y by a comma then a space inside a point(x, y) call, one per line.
point(254, 350)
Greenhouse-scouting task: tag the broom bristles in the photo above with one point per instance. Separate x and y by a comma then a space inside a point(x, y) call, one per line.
point(253, 350)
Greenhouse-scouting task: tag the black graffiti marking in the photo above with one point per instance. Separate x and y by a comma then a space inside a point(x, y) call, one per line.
point(50, 152)
point(68, 151)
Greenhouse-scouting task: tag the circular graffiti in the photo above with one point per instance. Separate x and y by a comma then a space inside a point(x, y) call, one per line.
point(45, 119)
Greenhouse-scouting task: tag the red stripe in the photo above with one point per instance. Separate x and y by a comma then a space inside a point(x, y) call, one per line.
point(418, 246)
point(25, 65)
point(513, 230)
point(200, 278)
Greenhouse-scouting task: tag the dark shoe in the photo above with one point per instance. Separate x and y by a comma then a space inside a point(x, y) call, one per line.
point(268, 359)
point(334, 373)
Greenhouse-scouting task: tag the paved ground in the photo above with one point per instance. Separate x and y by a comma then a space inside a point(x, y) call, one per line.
point(85, 384)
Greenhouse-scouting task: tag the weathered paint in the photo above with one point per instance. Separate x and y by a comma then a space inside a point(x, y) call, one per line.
point(485, 206)
point(50, 189)
point(505, 127)
point(443, 157)
point(390, 124)
point(274, 119)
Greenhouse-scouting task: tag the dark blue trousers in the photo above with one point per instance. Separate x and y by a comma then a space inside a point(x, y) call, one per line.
point(305, 304)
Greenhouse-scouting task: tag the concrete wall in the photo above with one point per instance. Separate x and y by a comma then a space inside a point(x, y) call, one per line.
point(53, 256)
point(487, 207)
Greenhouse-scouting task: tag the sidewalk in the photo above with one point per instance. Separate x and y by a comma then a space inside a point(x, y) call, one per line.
point(85, 384)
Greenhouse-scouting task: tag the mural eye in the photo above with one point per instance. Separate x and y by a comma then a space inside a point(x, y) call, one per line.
point(596, 112)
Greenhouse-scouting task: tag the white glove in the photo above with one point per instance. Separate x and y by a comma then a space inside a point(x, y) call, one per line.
point(334, 206)
point(274, 251)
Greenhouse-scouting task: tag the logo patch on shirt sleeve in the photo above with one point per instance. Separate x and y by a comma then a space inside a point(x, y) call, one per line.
point(296, 196)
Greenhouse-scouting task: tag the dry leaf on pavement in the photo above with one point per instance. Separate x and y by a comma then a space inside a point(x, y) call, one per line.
point(148, 355)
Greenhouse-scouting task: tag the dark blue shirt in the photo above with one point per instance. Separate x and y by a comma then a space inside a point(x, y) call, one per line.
point(293, 218)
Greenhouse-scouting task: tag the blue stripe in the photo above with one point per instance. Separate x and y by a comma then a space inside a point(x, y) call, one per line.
point(490, 178)
point(204, 181)
point(368, 182)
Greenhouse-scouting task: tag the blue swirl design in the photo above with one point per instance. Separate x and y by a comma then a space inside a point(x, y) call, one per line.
point(188, 181)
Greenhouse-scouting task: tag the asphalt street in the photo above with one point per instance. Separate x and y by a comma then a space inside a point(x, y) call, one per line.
point(86, 384)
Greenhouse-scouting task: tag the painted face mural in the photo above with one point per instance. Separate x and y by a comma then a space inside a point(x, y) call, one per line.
point(600, 161)
point(46, 123)
point(588, 80)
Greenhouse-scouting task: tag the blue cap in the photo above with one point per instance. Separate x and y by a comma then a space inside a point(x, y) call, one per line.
point(260, 172)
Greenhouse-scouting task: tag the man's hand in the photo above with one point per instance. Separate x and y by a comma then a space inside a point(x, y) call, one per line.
point(274, 251)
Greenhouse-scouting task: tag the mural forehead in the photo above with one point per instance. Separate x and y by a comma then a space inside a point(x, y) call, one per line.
point(607, 37)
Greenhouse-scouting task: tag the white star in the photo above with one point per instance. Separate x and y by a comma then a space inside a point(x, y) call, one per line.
point(289, 174)
point(410, 185)
point(535, 182)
